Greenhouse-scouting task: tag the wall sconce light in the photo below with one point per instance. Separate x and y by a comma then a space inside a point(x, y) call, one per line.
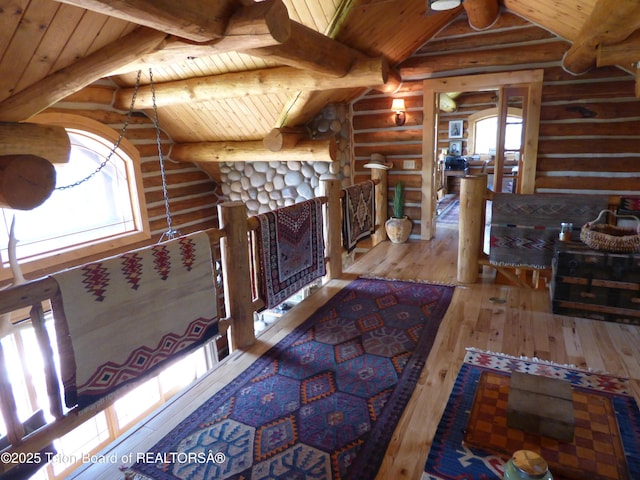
point(398, 106)
point(441, 5)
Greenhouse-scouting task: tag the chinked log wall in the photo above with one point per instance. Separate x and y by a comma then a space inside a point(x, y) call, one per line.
point(193, 196)
point(589, 129)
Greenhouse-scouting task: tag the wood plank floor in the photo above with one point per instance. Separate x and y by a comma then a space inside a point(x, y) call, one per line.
point(484, 315)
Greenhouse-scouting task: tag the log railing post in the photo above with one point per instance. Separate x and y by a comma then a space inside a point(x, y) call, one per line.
point(381, 199)
point(472, 190)
point(234, 248)
point(333, 227)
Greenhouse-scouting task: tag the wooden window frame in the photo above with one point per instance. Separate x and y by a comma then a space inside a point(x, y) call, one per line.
point(83, 252)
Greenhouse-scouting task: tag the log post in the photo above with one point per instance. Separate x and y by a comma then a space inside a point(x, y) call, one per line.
point(234, 247)
point(333, 227)
point(381, 195)
point(472, 190)
point(26, 181)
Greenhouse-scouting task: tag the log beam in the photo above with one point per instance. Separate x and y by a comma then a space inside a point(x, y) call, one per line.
point(256, 25)
point(26, 181)
point(424, 67)
point(46, 141)
point(76, 76)
point(284, 138)
point(263, 22)
point(482, 13)
point(624, 53)
point(254, 151)
point(366, 72)
point(310, 50)
point(610, 22)
point(197, 20)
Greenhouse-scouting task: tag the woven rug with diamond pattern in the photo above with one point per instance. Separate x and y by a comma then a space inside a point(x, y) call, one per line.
point(322, 403)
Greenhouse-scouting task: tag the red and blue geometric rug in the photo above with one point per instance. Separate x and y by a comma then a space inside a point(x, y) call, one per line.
point(473, 440)
point(322, 403)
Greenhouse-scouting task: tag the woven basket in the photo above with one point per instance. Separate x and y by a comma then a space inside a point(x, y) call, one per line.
point(611, 238)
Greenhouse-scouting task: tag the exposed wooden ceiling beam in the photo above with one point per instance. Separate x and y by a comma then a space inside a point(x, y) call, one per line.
point(197, 20)
point(428, 66)
point(310, 50)
point(481, 13)
point(204, 152)
point(363, 73)
point(624, 53)
point(268, 19)
point(610, 22)
point(76, 76)
point(253, 26)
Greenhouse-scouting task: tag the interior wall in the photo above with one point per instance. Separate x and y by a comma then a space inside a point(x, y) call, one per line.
point(589, 139)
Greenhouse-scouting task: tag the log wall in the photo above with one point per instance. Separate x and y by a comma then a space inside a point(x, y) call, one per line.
point(590, 125)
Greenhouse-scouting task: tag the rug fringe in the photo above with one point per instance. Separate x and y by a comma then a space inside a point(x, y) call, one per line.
point(544, 362)
point(416, 280)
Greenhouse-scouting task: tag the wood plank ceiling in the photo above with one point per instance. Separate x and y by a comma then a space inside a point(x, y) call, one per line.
point(41, 37)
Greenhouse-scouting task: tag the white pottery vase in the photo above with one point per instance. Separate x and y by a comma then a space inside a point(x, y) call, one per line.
point(398, 229)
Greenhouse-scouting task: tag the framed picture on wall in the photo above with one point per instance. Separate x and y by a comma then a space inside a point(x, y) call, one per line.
point(455, 129)
point(455, 148)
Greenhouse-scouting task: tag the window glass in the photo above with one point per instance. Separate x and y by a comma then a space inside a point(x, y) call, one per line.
point(487, 131)
point(81, 213)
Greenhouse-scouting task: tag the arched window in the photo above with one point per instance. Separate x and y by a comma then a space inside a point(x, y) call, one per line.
point(82, 218)
point(483, 131)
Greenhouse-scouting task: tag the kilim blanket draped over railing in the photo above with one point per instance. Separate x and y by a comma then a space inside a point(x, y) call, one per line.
point(358, 213)
point(473, 439)
point(321, 404)
point(290, 250)
point(123, 317)
point(525, 228)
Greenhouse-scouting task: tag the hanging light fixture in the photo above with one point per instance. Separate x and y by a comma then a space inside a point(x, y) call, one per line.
point(444, 4)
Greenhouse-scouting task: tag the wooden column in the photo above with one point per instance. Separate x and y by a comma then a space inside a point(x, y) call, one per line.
point(237, 276)
point(380, 234)
point(333, 227)
point(472, 189)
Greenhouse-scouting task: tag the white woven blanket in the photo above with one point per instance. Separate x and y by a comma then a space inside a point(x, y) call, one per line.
point(122, 317)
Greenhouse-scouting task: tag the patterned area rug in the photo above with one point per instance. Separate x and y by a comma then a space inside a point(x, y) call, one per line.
point(290, 250)
point(321, 404)
point(358, 213)
point(449, 213)
point(607, 434)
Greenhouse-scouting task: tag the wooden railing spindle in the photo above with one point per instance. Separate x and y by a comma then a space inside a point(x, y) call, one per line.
point(15, 430)
point(51, 377)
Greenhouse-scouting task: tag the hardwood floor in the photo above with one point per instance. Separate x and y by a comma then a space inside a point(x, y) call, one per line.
point(484, 315)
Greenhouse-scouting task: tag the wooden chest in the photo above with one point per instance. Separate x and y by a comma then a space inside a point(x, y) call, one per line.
point(594, 284)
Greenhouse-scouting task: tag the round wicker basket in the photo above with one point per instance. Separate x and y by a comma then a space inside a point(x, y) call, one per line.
point(611, 238)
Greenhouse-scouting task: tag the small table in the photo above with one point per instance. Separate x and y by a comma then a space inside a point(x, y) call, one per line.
point(453, 173)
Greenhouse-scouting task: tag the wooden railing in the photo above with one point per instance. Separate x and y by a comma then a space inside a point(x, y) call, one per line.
point(234, 269)
point(474, 196)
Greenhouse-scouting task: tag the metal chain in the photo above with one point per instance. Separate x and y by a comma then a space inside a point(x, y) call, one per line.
point(171, 233)
point(116, 145)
